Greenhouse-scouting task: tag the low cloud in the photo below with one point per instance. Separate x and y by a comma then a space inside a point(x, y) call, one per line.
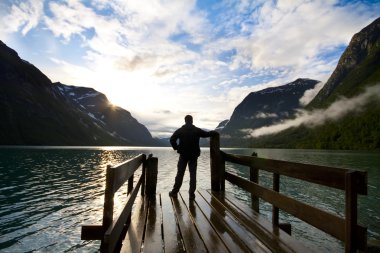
point(164, 112)
point(315, 118)
point(310, 94)
point(263, 115)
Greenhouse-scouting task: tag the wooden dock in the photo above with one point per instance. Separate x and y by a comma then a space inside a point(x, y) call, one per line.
point(213, 222)
point(216, 221)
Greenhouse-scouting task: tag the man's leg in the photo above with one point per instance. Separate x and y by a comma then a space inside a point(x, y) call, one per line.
point(193, 177)
point(181, 167)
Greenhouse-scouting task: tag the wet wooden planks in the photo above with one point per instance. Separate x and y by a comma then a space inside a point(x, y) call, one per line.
point(211, 223)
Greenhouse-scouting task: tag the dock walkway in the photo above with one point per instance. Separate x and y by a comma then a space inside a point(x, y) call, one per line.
point(217, 221)
point(213, 222)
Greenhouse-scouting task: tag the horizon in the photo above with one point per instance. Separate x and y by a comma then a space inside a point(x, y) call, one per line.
point(162, 60)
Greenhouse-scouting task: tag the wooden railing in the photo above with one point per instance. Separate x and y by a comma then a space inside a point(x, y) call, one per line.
point(351, 182)
point(111, 229)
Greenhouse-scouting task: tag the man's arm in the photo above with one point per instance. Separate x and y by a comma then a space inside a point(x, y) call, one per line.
point(173, 140)
point(205, 134)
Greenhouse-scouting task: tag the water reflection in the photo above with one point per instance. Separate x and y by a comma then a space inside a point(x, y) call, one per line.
point(46, 194)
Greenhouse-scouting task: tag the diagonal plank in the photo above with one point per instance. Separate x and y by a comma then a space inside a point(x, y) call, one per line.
point(208, 234)
point(191, 238)
point(153, 235)
point(273, 237)
point(229, 237)
point(133, 239)
point(249, 239)
point(172, 236)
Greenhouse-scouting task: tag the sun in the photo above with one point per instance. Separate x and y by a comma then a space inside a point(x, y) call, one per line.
point(133, 91)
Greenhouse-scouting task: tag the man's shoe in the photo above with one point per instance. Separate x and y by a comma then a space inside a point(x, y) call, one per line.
point(173, 194)
point(191, 196)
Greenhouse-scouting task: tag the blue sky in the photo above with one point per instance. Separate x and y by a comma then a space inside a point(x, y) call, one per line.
point(163, 59)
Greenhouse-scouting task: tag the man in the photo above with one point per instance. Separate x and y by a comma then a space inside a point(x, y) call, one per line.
point(189, 151)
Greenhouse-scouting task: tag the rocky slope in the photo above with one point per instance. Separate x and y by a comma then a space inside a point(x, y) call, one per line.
point(266, 107)
point(115, 120)
point(358, 67)
point(357, 70)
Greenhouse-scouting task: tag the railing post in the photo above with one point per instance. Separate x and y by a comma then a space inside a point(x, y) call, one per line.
point(276, 187)
point(151, 176)
point(130, 184)
point(143, 175)
point(254, 177)
point(221, 171)
point(217, 168)
point(351, 212)
point(287, 227)
point(108, 203)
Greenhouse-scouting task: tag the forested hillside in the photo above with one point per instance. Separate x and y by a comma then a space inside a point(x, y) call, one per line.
point(354, 90)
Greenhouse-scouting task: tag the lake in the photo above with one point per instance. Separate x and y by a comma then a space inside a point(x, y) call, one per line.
point(47, 193)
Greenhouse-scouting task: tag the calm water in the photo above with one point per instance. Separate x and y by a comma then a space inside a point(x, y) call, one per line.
point(47, 193)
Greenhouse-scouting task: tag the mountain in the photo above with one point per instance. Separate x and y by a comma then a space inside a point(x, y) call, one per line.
point(221, 125)
point(37, 112)
point(264, 108)
point(113, 119)
point(357, 70)
point(358, 67)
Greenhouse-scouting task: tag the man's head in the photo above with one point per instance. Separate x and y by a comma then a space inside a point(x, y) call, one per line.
point(188, 120)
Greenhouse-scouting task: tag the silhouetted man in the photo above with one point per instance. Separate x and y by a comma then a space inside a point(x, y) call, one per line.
point(189, 151)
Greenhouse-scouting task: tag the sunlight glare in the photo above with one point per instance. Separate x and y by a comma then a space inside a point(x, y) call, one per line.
point(134, 91)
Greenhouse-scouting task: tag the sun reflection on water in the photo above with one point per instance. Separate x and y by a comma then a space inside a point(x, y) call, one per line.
point(46, 194)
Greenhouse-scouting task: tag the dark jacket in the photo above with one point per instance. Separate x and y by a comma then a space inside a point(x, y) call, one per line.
point(188, 136)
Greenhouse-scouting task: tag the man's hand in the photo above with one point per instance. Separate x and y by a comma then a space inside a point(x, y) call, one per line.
point(213, 133)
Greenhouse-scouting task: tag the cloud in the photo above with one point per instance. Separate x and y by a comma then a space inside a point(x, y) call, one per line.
point(137, 62)
point(186, 56)
point(136, 37)
point(310, 94)
point(69, 18)
point(289, 33)
point(164, 112)
point(157, 19)
point(314, 118)
point(263, 115)
point(25, 16)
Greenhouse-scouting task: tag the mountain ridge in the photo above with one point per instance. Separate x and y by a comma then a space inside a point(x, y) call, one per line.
point(266, 107)
point(36, 112)
point(357, 69)
point(112, 118)
point(358, 63)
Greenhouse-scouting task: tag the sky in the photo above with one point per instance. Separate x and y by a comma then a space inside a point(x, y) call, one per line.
point(163, 59)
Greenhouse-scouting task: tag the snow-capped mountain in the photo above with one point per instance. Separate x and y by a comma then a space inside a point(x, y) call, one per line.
point(117, 121)
point(34, 111)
